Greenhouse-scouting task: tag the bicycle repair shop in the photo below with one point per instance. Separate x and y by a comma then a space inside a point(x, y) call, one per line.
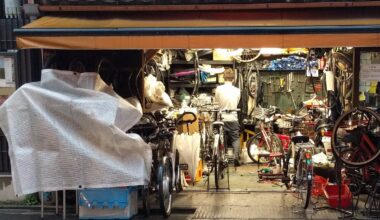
point(301, 75)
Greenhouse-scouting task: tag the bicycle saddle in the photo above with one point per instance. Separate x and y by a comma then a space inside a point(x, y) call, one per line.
point(300, 138)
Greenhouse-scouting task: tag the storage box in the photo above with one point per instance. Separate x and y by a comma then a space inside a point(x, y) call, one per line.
point(332, 195)
point(108, 203)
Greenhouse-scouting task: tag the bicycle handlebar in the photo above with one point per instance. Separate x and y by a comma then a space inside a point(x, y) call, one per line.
point(219, 110)
point(180, 120)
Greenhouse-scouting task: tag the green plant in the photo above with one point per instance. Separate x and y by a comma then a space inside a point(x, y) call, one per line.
point(31, 199)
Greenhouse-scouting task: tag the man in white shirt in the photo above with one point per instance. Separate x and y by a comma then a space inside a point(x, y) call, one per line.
point(228, 96)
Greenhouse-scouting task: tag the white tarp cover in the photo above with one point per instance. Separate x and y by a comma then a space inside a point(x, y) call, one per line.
point(68, 131)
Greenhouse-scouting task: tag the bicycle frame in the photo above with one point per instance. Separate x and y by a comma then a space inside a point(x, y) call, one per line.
point(266, 137)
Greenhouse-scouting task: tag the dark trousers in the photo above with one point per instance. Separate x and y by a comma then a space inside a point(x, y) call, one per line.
point(232, 134)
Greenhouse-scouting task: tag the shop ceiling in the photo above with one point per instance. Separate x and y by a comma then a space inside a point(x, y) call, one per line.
point(329, 27)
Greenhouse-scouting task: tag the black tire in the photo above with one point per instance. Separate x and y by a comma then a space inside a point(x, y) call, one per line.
point(304, 182)
point(276, 146)
point(164, 178)
point(285, 169)
point(216, 171)
point(250, 143)
point(337, 151)
point(178, 180)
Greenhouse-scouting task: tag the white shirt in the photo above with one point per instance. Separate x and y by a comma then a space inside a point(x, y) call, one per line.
point(228, 96)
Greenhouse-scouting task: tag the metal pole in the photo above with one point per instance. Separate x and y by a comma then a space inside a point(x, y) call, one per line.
point(76, 202)
point(64, 204)
point(42, 204)
point(56, 202)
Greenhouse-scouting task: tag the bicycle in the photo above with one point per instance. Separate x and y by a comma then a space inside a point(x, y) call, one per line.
point(301, 150)
point(265, 141)
point(215, 155)
point(355, 143)
point(157, 130)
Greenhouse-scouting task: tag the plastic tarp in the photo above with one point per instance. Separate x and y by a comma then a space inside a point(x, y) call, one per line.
point(68, 131)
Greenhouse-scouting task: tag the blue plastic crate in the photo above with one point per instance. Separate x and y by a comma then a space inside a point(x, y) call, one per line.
point(108, 203)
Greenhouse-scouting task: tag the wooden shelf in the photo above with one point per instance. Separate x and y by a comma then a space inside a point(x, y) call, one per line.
point(211, 62)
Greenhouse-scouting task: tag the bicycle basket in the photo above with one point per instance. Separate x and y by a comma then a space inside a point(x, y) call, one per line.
point(260, 113)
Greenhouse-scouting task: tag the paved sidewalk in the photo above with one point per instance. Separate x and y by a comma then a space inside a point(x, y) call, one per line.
point(214, 205)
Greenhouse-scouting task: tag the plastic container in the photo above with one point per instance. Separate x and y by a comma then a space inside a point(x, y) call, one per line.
point(285, 140)
point(331, 193)
point(108, 203)
point(319, 184)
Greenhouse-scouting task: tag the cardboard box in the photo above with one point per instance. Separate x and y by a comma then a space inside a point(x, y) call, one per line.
point(193, 127)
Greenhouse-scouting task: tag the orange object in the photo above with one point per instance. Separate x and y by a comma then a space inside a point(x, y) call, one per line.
point(198, 172)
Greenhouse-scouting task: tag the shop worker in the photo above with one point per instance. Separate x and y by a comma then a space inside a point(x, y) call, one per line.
point(228, 96)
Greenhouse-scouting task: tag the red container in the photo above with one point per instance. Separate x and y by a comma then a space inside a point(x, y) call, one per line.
point(332, 195)
point(319, 184)
point(285, 140)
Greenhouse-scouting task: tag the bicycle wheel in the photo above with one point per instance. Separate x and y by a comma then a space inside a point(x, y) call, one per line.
point(247, 55)
point(276, 147)
point(164, 178)
point(257, 144)
point(178, 180)
point(304, 179)
point(356, 137)
point(216, 170)
point(285, 169)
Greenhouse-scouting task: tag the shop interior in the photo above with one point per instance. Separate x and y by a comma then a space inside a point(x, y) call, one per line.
point(276, 86)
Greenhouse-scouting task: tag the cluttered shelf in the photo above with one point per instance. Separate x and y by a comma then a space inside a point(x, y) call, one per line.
point(191, 85)
point(210, 62)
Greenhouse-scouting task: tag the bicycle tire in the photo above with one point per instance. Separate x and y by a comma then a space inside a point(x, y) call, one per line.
point(337, 152)
point(276, 144)
point(247, 56)
point(178, 180)
point(285, 169)
point(250, 145)
point(306, 195)
point(216, 170)
point(164, 176)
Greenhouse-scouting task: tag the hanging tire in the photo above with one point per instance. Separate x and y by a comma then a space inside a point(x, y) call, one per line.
point(164, 179)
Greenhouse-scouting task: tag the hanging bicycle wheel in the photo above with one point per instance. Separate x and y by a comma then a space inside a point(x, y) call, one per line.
point(356, 137)
point(164, 178)
point(246, 55)
point(304, 180)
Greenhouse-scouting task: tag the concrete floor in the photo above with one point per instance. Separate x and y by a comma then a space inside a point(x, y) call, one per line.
point(243, 178)
point(247, 199)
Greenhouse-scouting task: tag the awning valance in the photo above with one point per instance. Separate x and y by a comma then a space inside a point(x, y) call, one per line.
point(204, 30)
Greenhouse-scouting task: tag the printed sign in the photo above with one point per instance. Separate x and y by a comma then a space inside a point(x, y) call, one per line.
point(370, 72)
